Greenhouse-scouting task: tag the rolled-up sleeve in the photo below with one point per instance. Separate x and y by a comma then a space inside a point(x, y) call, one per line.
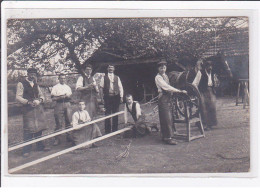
point(41, 94)
point(138, 110)
point(162, 84)
point(102, 82)
point(19, 94)
point(197, 78)
point(79, 82)
point(120, 86)
point(75, 119)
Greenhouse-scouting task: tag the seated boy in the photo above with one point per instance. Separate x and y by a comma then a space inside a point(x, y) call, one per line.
point(140, 127)
point(87, 133)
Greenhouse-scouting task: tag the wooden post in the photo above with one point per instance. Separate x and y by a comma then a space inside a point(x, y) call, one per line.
point(238, 91)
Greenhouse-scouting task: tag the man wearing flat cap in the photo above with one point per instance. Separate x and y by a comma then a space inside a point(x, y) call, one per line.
point(165, 91)
point(29, 94)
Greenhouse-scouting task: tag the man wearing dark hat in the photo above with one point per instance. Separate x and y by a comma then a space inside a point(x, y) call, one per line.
point(205, 81)
point(29, 94)
point(165, 91)
point(113, 95)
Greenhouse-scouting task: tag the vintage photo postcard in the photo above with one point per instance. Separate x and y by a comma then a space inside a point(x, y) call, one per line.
point(118, 93)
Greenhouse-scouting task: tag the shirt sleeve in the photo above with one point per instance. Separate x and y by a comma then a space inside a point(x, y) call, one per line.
point(87, 116)
point(125, 115)
point(197, 78)
point(69, 91)
point(75, 119)
point(19, 94)
point(121, 90)
point(41, 94)
point(79, 82)
point(162, 84)
point(54, 91)
point(102, 82)
point(138, 110)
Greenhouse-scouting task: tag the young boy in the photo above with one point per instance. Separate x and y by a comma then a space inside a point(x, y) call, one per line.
point(87, 133)
point(140, 127)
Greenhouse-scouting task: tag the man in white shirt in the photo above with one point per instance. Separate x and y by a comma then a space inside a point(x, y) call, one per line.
point(87, 133)
point(31, 97)
point(89, 91)
point(165, 114)
point(204, 80)
point(113, 95)
point(61, 93)
point(140, 127)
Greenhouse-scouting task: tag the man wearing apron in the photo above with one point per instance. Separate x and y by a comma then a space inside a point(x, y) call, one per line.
point(30, 95)
point(165, 90)
point(89, 91)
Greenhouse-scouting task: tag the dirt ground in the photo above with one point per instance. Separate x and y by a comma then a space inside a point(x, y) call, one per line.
point(226, 148)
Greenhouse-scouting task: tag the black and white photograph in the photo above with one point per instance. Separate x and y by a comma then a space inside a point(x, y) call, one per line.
point(151, 95)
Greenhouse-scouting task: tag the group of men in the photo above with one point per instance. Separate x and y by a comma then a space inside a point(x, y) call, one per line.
point(34, 120)
point(34, 123)
point(204, 81)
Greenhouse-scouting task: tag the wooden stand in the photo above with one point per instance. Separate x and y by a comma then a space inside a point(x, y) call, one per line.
point(188, 121)
point(245, 92)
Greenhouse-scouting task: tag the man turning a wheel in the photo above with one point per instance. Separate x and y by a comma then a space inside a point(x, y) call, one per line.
point(165, 90)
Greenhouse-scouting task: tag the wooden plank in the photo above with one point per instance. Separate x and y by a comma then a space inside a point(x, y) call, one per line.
point(26, 165)
point(196, 137)
point(63, 131)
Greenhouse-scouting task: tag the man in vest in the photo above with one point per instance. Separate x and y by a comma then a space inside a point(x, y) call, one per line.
point(29, 94)
point(140, 127)
point(61, 93)
point(205, 81)
point(113, 95)
point(89, 91)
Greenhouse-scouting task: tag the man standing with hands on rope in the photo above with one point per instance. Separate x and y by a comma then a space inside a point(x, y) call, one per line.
point(30, 95)
point(113, 95)
point(165, 90)
point(61, 93)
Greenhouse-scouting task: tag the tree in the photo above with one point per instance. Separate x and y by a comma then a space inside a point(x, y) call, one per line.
point(66, 44)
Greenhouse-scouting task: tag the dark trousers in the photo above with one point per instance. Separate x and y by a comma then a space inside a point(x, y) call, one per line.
point(165, 116)
point(112, 106)
point(27, 135)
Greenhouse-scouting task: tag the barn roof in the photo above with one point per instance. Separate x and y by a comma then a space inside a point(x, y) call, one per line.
point(234, 43)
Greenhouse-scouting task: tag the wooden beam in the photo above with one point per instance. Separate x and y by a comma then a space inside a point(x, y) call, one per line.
point(129, 62)
point(26, 165)
point(63, 131)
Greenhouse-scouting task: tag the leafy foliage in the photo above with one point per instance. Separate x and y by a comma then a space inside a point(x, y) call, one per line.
point(55, 45)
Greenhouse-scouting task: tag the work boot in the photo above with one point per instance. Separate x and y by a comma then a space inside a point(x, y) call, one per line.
point(170, 141)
